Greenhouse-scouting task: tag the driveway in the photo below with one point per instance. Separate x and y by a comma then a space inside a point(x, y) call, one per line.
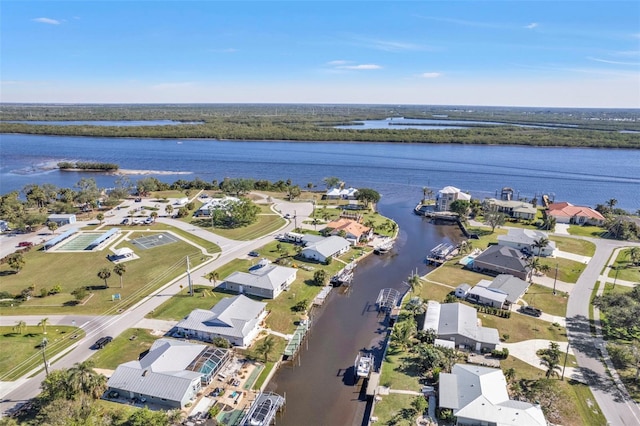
point(527, 351)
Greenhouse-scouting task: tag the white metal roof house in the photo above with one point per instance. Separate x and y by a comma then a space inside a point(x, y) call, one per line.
point(514, 287)
point(478, 396)
point(459, 323)
point(481, 293)
point(236, 319)
point(62, 219)
point(513, 208)
point(520, 239)
point(268, 281)
point(170, 375)
point(448, 195)
point(328, 247)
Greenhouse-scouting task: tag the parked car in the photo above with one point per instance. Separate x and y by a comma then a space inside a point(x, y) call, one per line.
point(148, 220)
point(125, 221)
point(216, 392)
point(25, 244)
point(138, 200)
point(287, 216)
point(102, 342)
point(254, 254)
point(530, 310)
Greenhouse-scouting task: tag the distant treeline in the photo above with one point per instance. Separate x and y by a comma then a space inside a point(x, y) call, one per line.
point(83, 165)
point(575, 127)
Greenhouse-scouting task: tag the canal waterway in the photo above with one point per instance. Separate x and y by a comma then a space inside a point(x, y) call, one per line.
point(319, 385)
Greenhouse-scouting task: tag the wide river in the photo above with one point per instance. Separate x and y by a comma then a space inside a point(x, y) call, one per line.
point(398, 171)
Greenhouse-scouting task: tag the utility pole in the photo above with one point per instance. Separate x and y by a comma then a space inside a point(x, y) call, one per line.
point(555, 279)
point(566, 355)
point(189, 278)
point(615, 278)
point(44, 355)
point(295, 220)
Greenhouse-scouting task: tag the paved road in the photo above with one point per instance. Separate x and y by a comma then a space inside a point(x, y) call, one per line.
point(615, 403)
point(96, 327)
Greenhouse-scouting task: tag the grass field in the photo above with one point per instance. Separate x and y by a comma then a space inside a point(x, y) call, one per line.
point(21, 352)
point(586, 231)
point(574, 245)
point(521, 327)
point(398, 371)
point(543, 298)
point(182, 303)
point(123, 348)
point(625, 269)
point(265, 224)
point(154, 268)
point(390, 406)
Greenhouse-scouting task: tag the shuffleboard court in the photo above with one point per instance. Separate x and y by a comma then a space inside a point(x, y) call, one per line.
point(80, 242)
point(154, 240)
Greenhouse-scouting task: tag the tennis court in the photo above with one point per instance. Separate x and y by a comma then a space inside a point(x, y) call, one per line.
point(79, 243)
point(154, 240)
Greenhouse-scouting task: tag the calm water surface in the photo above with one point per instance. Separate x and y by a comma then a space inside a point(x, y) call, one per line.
point(582, 176)
point(107, 123)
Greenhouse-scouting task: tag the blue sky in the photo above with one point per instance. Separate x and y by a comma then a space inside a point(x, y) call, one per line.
point(511, 53)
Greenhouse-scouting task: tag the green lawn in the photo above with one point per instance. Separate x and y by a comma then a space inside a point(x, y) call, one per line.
point(169, 194)
point(521, 327)
point(586, 231)
point(568, 270)
point(625, 269)
point(123, 348)
point(543, 298)
point(574, 245)
point(453, 274)
point(399, 371)
point(390, 406)
point(576, 407)
point(264, 225)
point(155, 267)
point(180, 305)
point(21, 353)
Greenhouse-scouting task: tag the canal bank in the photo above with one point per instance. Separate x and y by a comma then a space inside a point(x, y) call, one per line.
point(319, 386)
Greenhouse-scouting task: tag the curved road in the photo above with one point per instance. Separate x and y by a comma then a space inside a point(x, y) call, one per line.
point(614, 401)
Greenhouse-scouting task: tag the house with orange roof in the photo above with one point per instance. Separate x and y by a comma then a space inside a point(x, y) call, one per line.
point(354, 231)
point(566, 212)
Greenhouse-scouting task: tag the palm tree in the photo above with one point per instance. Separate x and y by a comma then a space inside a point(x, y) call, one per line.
point(552, 365)
point(414, 282)
point(119, 270)
point(104, 274)
point(534, 265)
point(266, 347)
point(169, 209)
point(549, 223)
point(20, 326)
point(540, 244)
point(213, 277)
point(154, 215)
point(611, 203)
point(80, 376)
point(634, 255)
point(44, 322)
point(52, 226)
point(100, 217)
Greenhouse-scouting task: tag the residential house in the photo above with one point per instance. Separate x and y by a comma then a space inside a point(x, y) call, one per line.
point(462, 290)
point(448, 195)
point(483, 295)
point(525, 240)
point(478, 396)
point(513, 287)
point(353, 231)
point(236, 319)
point(565, 212)
point(326, 248)
point(170, 375)
point(215, 204)
point(498, 259)
point(459, 323)
point(513, 208)
point(341, 193)
point(266, 281)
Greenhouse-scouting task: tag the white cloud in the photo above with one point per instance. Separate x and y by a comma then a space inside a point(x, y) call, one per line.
point(360, 67)
point(392, 46)
point(47, 21)
point(338, 62)
point(430, 75)
point(605, 61)
point(531, 26)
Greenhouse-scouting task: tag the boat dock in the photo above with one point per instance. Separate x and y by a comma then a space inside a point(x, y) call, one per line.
point(321, 297)
point(441, 253)
point(296, 340)
point(344, 276)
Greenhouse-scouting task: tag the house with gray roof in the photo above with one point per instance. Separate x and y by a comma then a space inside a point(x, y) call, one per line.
point(498, 259)
point(236, 319)
point(513, 208)
point(525, 239)
point(266, 281)
point(459, 323)
point(326, 248)
point(478, 396)
point(170, 375)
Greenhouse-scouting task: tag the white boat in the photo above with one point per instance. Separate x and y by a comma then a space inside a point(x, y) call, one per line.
point(363, 365)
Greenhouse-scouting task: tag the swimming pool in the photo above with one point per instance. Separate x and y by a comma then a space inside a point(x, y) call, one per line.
point(467, 260)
